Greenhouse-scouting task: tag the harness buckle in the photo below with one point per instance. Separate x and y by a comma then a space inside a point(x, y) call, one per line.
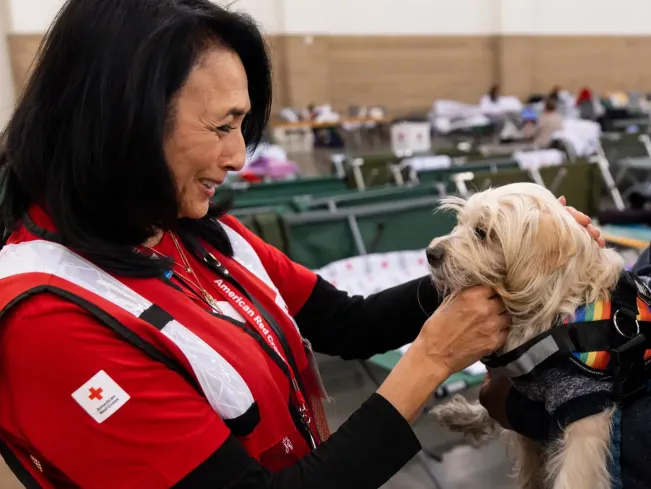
point(629, 370)
point(630, 316)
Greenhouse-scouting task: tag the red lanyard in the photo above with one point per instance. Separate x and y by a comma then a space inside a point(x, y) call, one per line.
point(252, 315)
point(240, 299)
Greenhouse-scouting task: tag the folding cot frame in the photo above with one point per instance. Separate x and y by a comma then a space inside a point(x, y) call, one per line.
point(634, 163)
point(600, 159)
point(352, 214)
point(458, 382)
point(460, 178)
point(626, 165)
point(466, 172)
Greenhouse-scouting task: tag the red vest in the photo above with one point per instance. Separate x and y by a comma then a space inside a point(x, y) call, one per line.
point(154, 316)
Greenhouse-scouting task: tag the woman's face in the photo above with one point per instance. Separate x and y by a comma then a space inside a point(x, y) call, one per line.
point(206, 141)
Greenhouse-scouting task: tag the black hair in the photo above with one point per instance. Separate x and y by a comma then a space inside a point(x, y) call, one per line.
point(85, 141)
point(494, 92)
point(551, 104)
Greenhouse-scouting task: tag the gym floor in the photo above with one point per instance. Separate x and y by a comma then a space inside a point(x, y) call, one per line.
point(463, 466)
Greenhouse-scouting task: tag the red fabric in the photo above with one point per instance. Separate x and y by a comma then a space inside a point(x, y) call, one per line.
point(584, 96)
point(295, 282)
point(51, 347)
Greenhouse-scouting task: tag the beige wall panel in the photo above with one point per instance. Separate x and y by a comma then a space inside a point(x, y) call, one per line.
point(22, 49)
point(407, 73)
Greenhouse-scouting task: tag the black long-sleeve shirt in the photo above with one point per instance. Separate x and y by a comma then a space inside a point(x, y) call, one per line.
point(376, 441)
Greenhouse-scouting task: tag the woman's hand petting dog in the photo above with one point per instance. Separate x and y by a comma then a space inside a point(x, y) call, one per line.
point(584, 221)
point(465, 328)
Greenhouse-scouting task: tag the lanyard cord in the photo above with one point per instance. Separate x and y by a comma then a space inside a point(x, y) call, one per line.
point(299, 415)
point(297, 383)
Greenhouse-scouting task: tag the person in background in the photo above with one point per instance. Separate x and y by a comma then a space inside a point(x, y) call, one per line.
point(586, 104)
point(550, 122)
point(529, 123)
point(310, 113)
point(489, 104)
point(554, 93)
point(564, 99)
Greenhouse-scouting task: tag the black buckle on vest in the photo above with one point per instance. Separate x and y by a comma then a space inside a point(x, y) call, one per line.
point(629, 371)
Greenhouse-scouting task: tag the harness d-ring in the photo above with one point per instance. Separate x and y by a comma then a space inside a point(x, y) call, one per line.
point(637, 326)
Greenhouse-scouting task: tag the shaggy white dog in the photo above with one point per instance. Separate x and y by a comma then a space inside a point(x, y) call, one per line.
point(521, 241)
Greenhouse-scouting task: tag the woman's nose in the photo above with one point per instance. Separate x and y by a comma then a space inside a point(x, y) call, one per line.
point(234, 154)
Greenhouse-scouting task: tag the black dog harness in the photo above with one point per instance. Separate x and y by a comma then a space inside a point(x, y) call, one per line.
point(599, 360)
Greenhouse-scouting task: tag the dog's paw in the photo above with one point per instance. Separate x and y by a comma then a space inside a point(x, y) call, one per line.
point(472, 420)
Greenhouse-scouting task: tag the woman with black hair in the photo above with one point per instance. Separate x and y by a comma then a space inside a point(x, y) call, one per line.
point(148, 339)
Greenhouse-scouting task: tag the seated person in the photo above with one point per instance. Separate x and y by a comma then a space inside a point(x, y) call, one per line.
point(550, 122)
point(490, 103)
point(529, 123)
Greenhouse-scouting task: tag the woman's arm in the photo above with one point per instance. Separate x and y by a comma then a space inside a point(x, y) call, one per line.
point(334, 322)
point(366, 451)
point(166, 434)
point(357, 327)
point(375, 442)
point(162, 433)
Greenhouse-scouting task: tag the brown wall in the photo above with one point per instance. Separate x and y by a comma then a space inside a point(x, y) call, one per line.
point(534, 64)
point(22, 50)
point(406, 73)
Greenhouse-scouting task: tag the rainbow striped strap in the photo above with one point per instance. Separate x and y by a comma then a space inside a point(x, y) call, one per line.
point(602, 311)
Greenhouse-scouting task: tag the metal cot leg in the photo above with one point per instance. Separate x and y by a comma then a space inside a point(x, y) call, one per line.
point(357, 235)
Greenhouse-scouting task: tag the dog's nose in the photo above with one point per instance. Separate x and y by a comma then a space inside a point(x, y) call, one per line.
point(435, 255)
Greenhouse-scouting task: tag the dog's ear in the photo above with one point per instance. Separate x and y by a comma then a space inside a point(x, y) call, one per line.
point(554, 241)
point(544, 246)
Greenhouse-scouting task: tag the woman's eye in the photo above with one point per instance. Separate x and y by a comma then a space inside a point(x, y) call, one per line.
point(226, 128)
point(481, 233)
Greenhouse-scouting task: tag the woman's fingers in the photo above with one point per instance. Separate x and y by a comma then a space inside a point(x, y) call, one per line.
point(470, 325)
point(579, 216)
point(596, 235)
point(584, 221)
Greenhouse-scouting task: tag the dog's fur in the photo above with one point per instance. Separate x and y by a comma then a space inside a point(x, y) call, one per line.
point(521, 241)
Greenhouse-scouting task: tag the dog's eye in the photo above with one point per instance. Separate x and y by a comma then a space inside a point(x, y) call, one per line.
point(481, 233)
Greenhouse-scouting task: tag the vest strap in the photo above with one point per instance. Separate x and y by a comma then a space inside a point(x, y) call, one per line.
point(156, 316)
